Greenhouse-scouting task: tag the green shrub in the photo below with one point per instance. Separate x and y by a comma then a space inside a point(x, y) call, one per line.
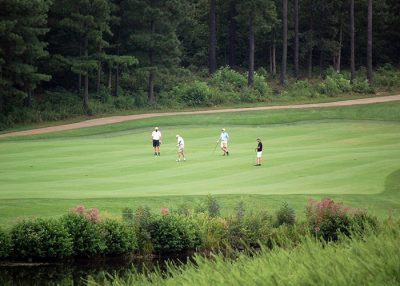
point(143, 220)
point(87, 238)
point(387, 77)
point(285, 215)
point(193, 94)
point(212, 206)
point(127, 215)
point(212, 230)
point(41, 238)
point(327, 219)
point(226, 79)
point(253, 229)
point(262, 87)
point(119, 237)
point(5, 244)
point(287, 236)
point(362, 221)
point(360, 85)
point(173, 233)
point(334, 84)
point(240, 211)
point(124, 102)
point(302, 88)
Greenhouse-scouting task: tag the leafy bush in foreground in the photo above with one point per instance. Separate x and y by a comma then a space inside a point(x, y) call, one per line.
point(173, 233)
point(250, 231)
point(143, 220)
point(41, 238)
point(285, 215)
point(327, 219)
point(119, 237)
point(87, 238)
point(5, 244)
point(387, 77)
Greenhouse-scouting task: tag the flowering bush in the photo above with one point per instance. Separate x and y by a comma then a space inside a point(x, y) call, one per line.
point(92, 214)
point(327, 219)
point(86, 235)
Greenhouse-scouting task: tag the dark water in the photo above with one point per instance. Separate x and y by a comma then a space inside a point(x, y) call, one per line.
point(76, 272)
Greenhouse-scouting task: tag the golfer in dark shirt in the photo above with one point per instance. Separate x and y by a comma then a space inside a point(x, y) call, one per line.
point(259, 150)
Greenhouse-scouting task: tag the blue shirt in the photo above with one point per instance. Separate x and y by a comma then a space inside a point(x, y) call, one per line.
point(224, 136)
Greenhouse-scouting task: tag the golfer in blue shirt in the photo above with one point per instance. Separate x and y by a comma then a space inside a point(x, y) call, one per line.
point(223, 138)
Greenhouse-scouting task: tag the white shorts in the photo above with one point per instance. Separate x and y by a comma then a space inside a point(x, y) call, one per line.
point(181, 149)
point(259, 154)
point(224, 144)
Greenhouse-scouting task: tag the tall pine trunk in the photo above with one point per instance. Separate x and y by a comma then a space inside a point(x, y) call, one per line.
point(86, 84)
point(352, 42)
point(150, 87)
point(98, 82)
point(273, 54)
point(270, 59)
point(232, 33)
point(369, 45)
point(311, 44)
point(1, 93)
point(284, 41)
point(116, 88)
point(250, 76)
point(339, 55)
point(212, 52)
point(80, 74)
point(296, 41)
point(109, 85)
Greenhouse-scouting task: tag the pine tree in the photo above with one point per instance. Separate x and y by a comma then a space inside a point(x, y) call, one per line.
point(284, 40)
point(150, 33)
point(22, 27)
point(85, 23)
point(257, 15)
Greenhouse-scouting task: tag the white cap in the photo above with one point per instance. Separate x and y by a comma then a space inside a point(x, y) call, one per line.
point(177, 135)
point(223, 129)
point(156, 128)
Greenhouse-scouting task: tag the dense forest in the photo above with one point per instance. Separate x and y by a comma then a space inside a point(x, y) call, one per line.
point(156, 52)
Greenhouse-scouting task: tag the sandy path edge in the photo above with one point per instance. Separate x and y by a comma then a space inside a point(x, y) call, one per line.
point(116, 119)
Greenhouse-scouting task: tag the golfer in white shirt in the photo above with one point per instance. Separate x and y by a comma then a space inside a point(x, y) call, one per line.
point(180, 143)
point(156, 137)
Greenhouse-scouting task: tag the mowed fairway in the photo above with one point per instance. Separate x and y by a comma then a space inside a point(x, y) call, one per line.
point(354, 161)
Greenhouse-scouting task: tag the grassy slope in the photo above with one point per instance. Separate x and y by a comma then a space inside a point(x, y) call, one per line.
point(349, 153)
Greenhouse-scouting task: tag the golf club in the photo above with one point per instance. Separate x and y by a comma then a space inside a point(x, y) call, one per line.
point(215, 148)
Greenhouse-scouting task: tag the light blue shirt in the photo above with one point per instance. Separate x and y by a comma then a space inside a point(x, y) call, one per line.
point(224, 136)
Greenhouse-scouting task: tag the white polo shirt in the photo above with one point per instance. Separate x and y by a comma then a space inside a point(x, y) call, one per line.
point(156, 135)
point(181, 142)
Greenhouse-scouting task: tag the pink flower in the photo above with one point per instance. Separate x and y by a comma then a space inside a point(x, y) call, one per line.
point(93, 214)
point(79, 209)
point(164, 211)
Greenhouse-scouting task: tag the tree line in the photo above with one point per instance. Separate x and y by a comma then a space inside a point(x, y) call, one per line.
point(88, 45)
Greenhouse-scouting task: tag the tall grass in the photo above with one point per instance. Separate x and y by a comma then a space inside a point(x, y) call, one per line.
point(370, 260)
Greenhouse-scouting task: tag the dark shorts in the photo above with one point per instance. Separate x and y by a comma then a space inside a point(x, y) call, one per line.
point(156, 143)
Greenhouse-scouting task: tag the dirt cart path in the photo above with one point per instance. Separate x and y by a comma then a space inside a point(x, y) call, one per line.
point(115, 119)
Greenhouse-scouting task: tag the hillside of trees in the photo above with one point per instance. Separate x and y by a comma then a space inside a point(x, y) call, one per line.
point(56, 55)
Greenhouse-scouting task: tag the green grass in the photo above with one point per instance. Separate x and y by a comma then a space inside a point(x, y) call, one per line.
point(351, 154)
point(370, 260)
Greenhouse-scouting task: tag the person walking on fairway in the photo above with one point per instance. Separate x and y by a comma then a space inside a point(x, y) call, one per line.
point(180, 143)
point(223, 138)
point(156, 137)
point(259, 150)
